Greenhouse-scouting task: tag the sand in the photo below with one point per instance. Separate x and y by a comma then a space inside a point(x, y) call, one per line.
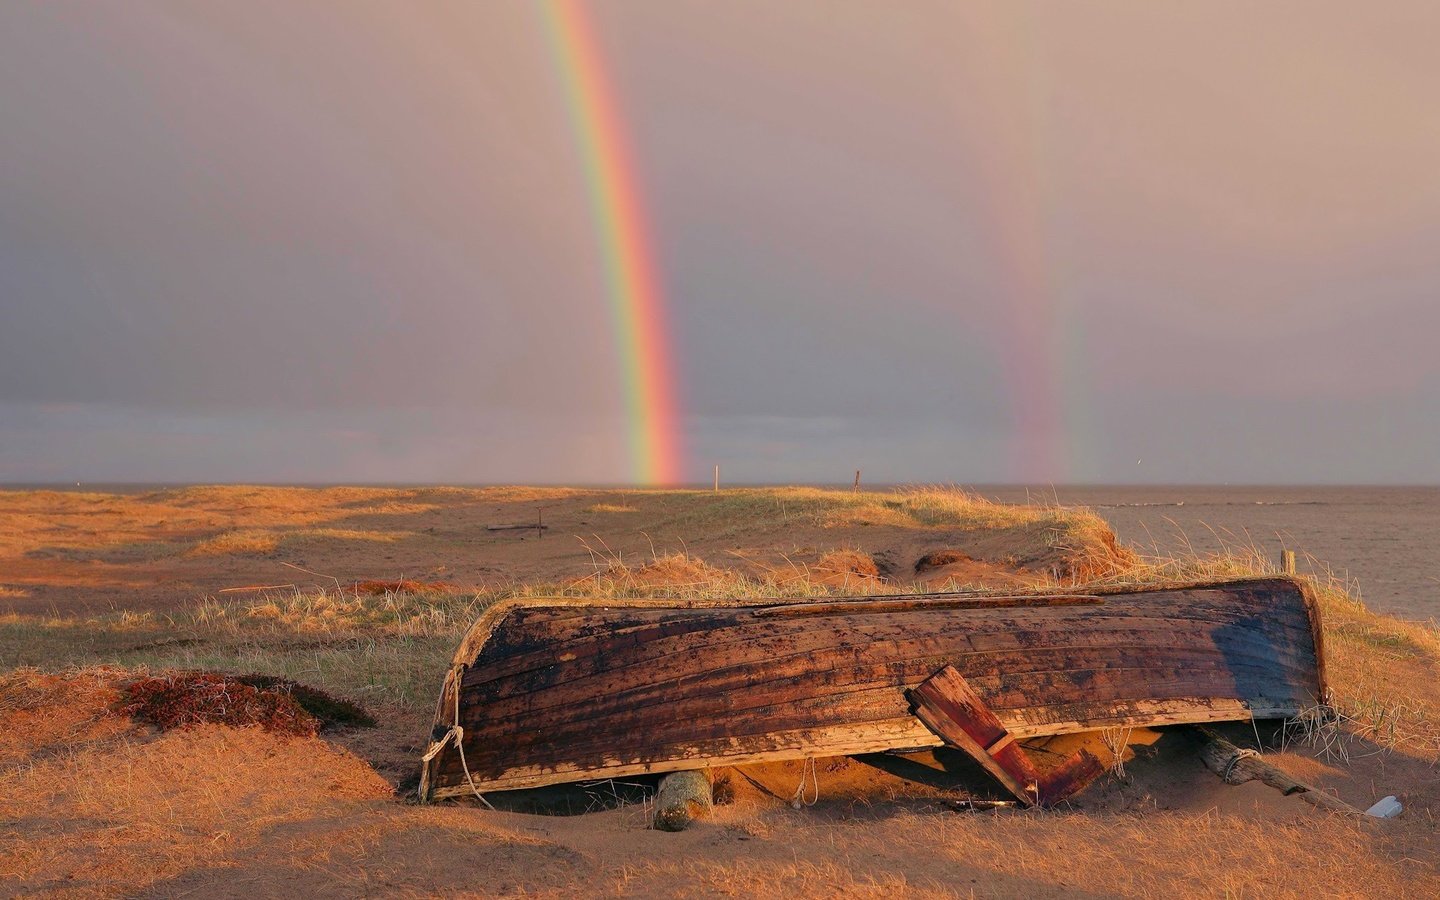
point(229, 813)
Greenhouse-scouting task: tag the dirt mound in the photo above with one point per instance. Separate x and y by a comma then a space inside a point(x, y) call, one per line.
point(842, 567)
point(279, 705)
point(952, 568)
point(1100, 557)
point(1033, 555)
point(331, 711)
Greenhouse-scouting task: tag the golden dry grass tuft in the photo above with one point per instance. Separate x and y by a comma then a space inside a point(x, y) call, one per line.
point(848, 562)
point(674, 570)
point(308, 535)
point(610, 508)
point(247, 542)
point(675, 575)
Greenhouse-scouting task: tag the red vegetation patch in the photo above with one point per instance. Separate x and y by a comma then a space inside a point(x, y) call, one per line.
point(381, 588)
point(332, 711)
point(187, 699)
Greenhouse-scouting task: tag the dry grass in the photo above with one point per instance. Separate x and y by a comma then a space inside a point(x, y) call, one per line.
point(386, 648)
point(848, 562)
point(381, 651)
point(230, 518)
point(308, 535)
point(248, 542)
point(675, 575)
point(256, 542)
point(924, 507)
point(212, 807)
point(1049, 540)
point(1034, 855)
point(112, 808)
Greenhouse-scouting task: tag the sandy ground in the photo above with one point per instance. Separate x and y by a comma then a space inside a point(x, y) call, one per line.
point(95, 804)
point(103, 807)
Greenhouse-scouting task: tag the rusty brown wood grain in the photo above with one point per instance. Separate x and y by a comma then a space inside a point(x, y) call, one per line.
point(551, 691)
point(951, 707)
point(732, 704)
point(631, 635)
point(608, 660)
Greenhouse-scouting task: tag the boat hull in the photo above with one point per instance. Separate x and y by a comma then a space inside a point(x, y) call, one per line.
point(554, 691)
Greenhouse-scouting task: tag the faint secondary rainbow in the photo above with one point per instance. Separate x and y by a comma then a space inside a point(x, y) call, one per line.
point(1043, 360)
point(632, 281)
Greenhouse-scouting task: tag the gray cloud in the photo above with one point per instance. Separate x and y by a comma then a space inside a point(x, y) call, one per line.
point(974, 243)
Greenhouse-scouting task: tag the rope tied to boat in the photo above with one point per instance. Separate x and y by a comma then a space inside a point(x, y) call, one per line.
point(1240, 753)
point(799, 799)
point(455, 734)
point(456, 672)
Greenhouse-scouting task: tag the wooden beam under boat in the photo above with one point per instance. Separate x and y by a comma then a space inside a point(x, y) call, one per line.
point(548, 691)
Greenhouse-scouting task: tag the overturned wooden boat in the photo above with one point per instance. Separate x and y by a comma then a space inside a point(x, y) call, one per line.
point(548, 691)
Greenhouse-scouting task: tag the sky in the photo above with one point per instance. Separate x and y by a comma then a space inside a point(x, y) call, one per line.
point(938, 242)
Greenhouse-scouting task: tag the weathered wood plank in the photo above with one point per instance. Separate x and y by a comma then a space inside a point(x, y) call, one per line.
point(630, 642)
point(955, 711)
point(903, 734)
point(1236, 766)
point(845, 696)
point(872, 663)
point(948, 706)
point(916, 604)
point(554, 688)
point(610, 669)
point(870, 737)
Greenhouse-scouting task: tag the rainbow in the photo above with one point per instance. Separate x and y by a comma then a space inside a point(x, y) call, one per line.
point(1043, 365)
point(632, 280)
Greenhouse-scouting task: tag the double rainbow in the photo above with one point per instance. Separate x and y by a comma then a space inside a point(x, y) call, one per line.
point(632, 280)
